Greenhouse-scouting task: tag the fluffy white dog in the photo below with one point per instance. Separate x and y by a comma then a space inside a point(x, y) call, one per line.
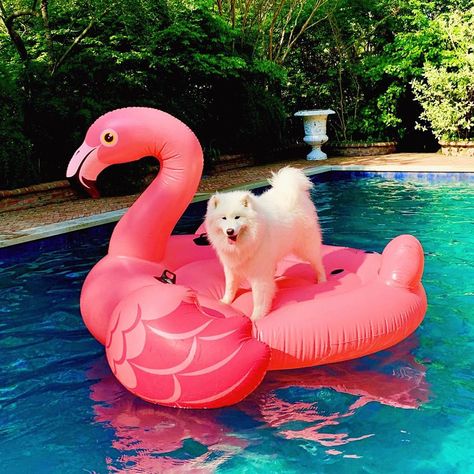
point(251, 234)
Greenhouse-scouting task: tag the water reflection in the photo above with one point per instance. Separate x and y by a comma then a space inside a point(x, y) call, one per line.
point(155, 439)
point(298, 404)
point(391, 378)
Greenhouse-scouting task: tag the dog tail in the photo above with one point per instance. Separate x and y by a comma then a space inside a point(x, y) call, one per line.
point(290, 183)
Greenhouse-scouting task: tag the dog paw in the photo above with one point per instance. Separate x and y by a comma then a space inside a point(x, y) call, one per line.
point(256, 316)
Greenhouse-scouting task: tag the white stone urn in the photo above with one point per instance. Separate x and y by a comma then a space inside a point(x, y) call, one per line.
point(314, 122)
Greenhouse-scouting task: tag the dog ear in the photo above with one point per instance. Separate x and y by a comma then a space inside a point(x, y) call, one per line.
point(214, 201)
point(246, 200)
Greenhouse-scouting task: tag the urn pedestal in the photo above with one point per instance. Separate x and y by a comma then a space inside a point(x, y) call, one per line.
point(314, 122)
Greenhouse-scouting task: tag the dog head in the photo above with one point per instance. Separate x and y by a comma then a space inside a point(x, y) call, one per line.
point(230, 217)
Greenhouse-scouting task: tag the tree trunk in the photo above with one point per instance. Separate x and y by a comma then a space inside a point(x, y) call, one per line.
point(47, 32)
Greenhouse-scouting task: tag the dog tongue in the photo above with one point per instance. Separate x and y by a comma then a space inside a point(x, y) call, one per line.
point(232, 239)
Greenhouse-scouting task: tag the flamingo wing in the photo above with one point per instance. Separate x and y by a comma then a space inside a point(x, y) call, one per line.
point(163, 347)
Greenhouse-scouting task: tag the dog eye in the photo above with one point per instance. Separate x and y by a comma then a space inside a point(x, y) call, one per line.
point(224, 218)
point(237, 217)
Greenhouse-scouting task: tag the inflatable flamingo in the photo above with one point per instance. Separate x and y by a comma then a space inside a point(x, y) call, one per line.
point(153, 300)
point(162, 343)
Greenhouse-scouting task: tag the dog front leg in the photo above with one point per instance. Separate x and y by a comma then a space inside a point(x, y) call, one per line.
point(320, 271)
point(263, 292)
point(232, 282)
point(312, 254)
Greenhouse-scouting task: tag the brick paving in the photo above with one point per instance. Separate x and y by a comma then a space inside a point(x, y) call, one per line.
point(15, 223)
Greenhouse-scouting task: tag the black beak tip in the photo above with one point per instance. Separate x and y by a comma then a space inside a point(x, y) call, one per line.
point(88, 187)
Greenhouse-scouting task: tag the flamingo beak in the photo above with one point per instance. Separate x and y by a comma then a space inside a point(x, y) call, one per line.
point(84, 168)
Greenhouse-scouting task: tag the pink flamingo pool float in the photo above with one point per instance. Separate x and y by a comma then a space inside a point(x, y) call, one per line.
point(153, 300)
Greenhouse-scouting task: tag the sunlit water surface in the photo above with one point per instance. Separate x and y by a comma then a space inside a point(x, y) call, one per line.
point(407, 409)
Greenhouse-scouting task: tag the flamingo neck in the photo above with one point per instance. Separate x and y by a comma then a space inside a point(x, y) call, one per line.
point(144, 230)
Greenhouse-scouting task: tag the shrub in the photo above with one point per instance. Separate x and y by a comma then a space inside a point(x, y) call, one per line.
point(447, 98)
point(446, 92)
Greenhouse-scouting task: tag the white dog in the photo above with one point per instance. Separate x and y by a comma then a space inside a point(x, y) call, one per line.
point(251, 234)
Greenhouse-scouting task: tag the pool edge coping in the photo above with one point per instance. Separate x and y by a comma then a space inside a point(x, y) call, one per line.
point(80, 223)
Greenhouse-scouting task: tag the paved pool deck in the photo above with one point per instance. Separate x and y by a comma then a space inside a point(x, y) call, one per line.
point(39, 222)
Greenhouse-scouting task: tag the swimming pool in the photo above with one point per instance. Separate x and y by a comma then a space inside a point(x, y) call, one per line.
point(407, 409)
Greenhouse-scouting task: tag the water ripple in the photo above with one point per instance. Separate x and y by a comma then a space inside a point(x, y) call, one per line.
point(406, 409)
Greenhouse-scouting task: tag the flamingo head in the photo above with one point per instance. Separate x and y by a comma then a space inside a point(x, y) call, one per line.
point(120, 136)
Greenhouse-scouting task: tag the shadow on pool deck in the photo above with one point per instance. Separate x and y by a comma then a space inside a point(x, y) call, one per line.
point(26, 224)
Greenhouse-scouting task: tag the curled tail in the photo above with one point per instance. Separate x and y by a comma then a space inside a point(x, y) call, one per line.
point(289, 184)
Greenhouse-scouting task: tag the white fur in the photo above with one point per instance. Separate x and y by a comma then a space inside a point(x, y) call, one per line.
point(281, 221)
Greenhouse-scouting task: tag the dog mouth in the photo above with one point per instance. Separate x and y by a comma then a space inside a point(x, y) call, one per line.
point(232, 239)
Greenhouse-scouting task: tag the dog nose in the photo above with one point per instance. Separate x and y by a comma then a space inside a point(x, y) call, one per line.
point(230, 231)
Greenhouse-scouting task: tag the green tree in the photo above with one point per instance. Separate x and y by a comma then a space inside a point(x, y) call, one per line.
point(16, 169)
point(180, 57)
point(234, 70)
point(446, 91)
point(361, 61)
point(274, 27)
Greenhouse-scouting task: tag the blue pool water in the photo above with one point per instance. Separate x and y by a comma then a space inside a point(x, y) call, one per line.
point(407, 409)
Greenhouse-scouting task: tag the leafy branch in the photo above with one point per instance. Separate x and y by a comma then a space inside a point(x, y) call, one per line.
point(77, 40)
point(274, 26)
point(9, 20)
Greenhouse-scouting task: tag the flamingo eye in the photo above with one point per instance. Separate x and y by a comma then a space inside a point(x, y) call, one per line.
point(109, 137)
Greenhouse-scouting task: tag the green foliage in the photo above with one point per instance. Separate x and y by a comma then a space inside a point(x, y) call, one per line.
point(361, 62)
point(338, 66)
point(16, 169)
point(234, 75)
point(180, 57)
point(446, 92)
